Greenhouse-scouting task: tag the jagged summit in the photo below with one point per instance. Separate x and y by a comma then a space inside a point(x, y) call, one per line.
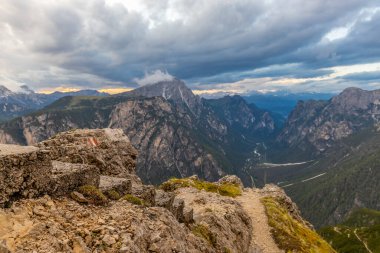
point(322, 123)
point(174, 90)
point(355, 98)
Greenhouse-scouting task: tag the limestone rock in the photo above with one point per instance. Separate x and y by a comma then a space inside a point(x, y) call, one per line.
point(108, 149)
point(226, 224)
point(66, 177)
point(25, 172)
point(145, 192)
point(76, 228)
point(120, 185)
point(231, 179)
point(164, 199)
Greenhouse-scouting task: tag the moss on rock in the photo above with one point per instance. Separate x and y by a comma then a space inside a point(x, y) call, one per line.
point(133, 199)
point(112, 194)
point(290, 234)
point(204, 232)
point(224, 189)
point(93, 194)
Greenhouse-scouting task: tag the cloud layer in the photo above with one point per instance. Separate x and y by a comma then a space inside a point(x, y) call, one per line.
point(113, 43)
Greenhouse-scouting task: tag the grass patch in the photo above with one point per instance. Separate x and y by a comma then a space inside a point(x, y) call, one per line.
point(133, 199)
point(112, 194)
point(224, 189)
point(204, 232)
point(288, 233)
point(93, 194)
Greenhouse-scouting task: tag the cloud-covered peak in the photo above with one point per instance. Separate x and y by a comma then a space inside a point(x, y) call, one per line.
point(154, 77)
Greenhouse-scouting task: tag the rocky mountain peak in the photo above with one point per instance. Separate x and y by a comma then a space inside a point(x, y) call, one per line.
point(174, 90)
point(4, 91)
point(323, 123)
point(355, 98)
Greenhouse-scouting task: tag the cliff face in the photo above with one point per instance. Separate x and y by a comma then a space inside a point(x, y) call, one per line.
point(94, 202)
point(320, 124)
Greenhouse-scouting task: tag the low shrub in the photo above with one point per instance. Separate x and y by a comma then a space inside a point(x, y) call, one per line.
point(93, 194)
point(224, 189)
point(204, 232)
point(112, 194)
point(133, 199)
point(288, 233)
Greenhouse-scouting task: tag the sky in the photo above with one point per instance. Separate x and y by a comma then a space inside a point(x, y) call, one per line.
point(215, 46)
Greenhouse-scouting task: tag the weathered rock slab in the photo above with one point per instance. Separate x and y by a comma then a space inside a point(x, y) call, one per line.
point(24, 172)
point(120, 185)
point(66, 177)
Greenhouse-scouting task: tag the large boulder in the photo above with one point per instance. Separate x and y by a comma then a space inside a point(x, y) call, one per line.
point(66, 177)
point(24, 172)
point(108, 149)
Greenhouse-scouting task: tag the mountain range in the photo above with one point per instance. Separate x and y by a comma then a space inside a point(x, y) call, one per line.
point(24, 101)
point(177, 133)
point(325, 155)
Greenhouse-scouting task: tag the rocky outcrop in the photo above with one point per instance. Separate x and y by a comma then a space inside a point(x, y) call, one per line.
point(24, 172)
point(108, 149)
point(62, 225)
point(65, 162)
point(320, 124)
point(68, 176)
point(222, 220)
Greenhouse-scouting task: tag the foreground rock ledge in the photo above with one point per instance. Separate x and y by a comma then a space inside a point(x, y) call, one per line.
point(36, 183)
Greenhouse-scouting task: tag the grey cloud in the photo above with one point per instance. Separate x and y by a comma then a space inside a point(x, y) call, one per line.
point(206, 41)
point(363, 76)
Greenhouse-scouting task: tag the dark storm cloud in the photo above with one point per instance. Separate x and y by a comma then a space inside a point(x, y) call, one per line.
point(98, 42)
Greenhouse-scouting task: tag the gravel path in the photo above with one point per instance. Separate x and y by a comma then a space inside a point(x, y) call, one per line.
point(262, 240)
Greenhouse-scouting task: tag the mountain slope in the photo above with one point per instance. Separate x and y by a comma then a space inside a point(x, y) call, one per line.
point(359, 233)
point(314, 126)
point(346, 178)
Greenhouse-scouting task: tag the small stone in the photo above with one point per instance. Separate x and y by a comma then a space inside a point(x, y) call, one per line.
point(78, 197)
point(101, 221)
point(40, 211)
point(154, 248)
point(79, 246)
point(124, 250)
point(109, 240)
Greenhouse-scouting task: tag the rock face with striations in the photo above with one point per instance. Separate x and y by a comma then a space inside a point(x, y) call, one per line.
point(65, 162)
point(23, 172)
point(319, 124)
point(108, 149)
point(174, 90)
